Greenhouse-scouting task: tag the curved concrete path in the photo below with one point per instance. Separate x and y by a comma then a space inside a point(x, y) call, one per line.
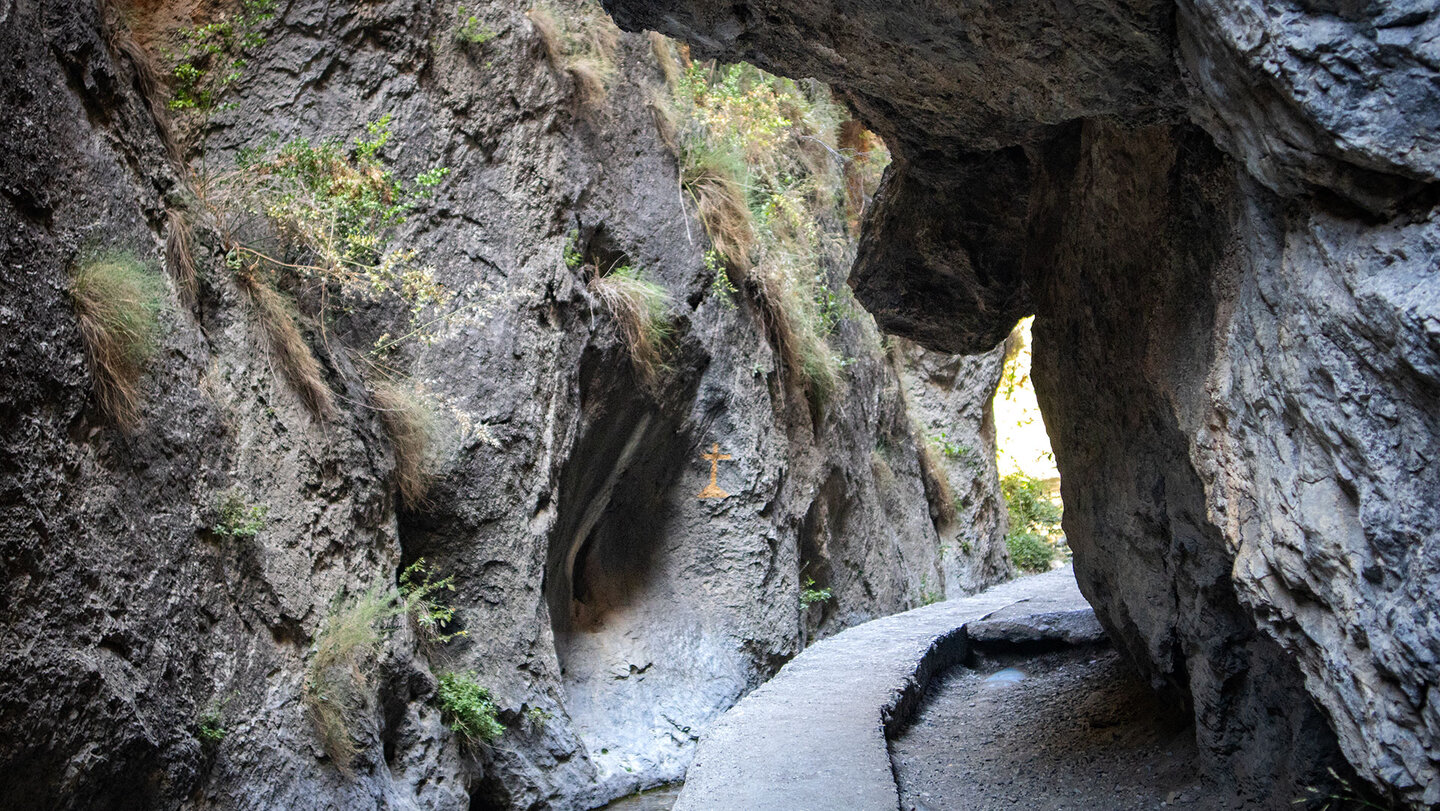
point(814, 737)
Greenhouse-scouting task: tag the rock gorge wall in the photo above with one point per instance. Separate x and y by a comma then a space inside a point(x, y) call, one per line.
point(1223, 214)
point(596, 589)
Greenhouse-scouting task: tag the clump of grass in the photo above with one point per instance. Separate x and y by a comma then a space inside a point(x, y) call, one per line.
point(938, 491)
point(579, 38)
point(279, 320)
point(760, 161)
point(409, 422)
point(337, 680)
point(180, 252)
point(118, 300)
point(236, 518)
point(338, 691)
point(641, 310)
point(1034, 523)
point(468, 708)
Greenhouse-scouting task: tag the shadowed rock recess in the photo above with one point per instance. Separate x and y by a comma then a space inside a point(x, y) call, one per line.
point(1223, 216)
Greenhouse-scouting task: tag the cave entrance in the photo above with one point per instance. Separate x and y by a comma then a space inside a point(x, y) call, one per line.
point(1029, 479)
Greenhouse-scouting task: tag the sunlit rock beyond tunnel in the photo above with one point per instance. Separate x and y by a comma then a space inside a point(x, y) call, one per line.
point(537, 405)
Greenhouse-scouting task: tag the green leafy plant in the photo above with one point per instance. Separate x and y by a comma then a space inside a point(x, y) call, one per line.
point(211, 724)
point(237, 519)
point(537, 716)
point(419, 591)
point(641, 310)
point(468, 708)
point(809, 595)
point(952, 449)
point(118, 300)
point(721, 286)
point(574, 258)
point(211, 57)
point(1034, 522)
point(470, 30)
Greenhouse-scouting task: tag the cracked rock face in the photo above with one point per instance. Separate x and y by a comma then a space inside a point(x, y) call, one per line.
point(611, 613)
point(1222, 214)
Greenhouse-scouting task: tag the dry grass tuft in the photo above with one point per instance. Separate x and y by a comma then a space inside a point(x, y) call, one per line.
point(937, 484)
point(180, 252)
point(665, 57)
point(641, 311)
point(794, 332)
point(719, 196)
point(279, 320)
point(548, 30)
point(410, 423)
point(337, 680)
point(147, 76)
point(118, 300)
point(580, 39)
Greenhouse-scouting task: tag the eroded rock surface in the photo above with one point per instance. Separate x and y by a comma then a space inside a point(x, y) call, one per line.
point(1222, 214)
point(611, 612)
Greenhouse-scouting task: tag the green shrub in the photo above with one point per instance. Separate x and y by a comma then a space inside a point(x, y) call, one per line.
point(211, 725)
point(334, 210)
point(468, 708)
point(809, 595)
point(236, 518)
point(418, 590)
point(1034, 522)
point(118, 300)
point(470, 30)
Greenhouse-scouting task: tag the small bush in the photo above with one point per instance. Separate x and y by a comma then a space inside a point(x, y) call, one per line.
point(410, 424)
point(1034, 521)
point(418, 590)
point(470, 30)
point(641, 311)
point(809, 595)
point(238, 519)
point(468, 708)
point(118, 300)
point(211, 725)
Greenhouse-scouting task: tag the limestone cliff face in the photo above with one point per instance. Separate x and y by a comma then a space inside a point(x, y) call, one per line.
point(611, 613)
point(1223, 215)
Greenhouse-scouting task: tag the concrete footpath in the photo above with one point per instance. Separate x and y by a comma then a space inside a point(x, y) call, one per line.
point(814, 737)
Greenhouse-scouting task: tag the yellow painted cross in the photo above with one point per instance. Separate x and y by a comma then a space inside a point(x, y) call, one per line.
point(714, 457)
